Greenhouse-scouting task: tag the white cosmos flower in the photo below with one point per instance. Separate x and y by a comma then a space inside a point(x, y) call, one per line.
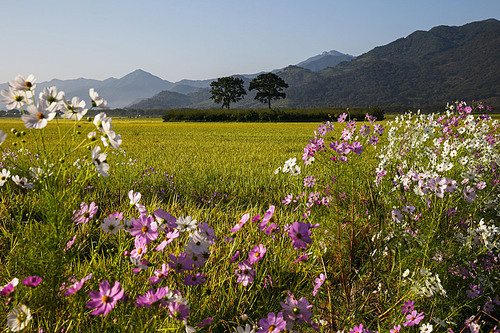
point(75, 109)
point(21, 181)
point(37, 117)
point(111, 225)
point(22, 84)
point(97, 101)
point(100, 119)
point(54, 99)
point(186, 224)
point(247, 329)
point(13, 99)
point(18, 318)
point(109, 136)
point(3, 137)
point(4, 176)
point(100, 162)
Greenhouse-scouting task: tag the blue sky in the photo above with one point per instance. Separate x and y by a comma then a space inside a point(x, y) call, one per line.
point(202, 39)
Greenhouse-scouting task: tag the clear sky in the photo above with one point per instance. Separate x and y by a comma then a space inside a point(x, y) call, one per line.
point(204, 39)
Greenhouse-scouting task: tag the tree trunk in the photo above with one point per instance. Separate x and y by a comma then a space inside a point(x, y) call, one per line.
point(269, 103)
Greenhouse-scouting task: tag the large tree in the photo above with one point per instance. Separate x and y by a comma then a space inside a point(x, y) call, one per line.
point(269, 86)
point(226, 90)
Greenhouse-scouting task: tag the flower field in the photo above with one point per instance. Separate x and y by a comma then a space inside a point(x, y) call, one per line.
point(348, 225)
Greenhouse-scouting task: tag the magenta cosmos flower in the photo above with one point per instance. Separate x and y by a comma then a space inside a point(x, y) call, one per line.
point(241, 223)
point(299, 233)
point(273, 323)
point(32, 281)
point(267, 217)
point(178, 311)
point(414, 318)
point(104, 300)
point(85, 213)
point(245, 273)
point(256, 253)
point(144, 227)
point(77, 285)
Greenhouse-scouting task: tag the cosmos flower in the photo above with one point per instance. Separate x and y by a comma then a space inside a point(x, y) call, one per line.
point(37, 116)
point(104, 300)
point(18, 318)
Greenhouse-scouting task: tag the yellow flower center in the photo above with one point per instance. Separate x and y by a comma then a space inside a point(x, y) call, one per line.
point(106, 299)
point(271, 328)
point(28, 84)
point(144, 229)
point(139, 250)
point(257, 254)
point(40, 115)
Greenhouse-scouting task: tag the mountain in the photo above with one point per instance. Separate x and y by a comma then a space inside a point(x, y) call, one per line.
point(326, 59)
point(427, 67)
point(444, 64)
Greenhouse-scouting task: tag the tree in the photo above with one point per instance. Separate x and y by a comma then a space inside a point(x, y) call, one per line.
point(269, 86)
point(226, 90)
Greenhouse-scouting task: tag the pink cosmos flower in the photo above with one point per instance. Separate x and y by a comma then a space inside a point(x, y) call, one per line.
point(256, 253)
point(319, 282)
point(104, 300)
point(144, 227)
point(241, 223)
point(70, 244)
point(407, 307)
point(181, 263)
point(165, 217)
point(205, 322)
point(32, 281)
point(85, 213)
point(357, 329)
point(273, 323)
point(396, 329)
point(150, 297)
point(267, 217)
point(194, 279)
point(159, 274)
point(170, 235)
point(77, 285)
point(235, 257)
point(413, 318)
point(299, 233)
point(9, 287)
point(206, 231)
point(140, 248)
point(302, 257)
point(245, 273)
point(297, 311)
point(178, 311)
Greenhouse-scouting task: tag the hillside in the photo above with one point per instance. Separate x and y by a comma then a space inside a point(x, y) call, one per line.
point(425, 68)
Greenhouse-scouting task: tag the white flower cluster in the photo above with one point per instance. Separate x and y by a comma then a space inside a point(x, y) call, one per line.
point(431, 285)
point(290, 167)
point(440, 153)
point(486, 235)
point(52, 103)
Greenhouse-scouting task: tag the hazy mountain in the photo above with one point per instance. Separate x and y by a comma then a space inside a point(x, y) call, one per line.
point(427, 67)
point(326, 59)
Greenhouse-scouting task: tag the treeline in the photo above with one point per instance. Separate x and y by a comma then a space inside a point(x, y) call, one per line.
point(268, 115)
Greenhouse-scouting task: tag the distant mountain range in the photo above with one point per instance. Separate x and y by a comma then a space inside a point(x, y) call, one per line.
point(432, 67)
point(140, 85)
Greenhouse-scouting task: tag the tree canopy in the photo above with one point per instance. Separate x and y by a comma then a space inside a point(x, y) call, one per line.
point(226, 90)
point(269, 86)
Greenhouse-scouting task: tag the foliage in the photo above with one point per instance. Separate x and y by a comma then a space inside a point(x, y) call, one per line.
point(269, 87)
point(375, 228)
point(226, 90)
point(264, 115)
